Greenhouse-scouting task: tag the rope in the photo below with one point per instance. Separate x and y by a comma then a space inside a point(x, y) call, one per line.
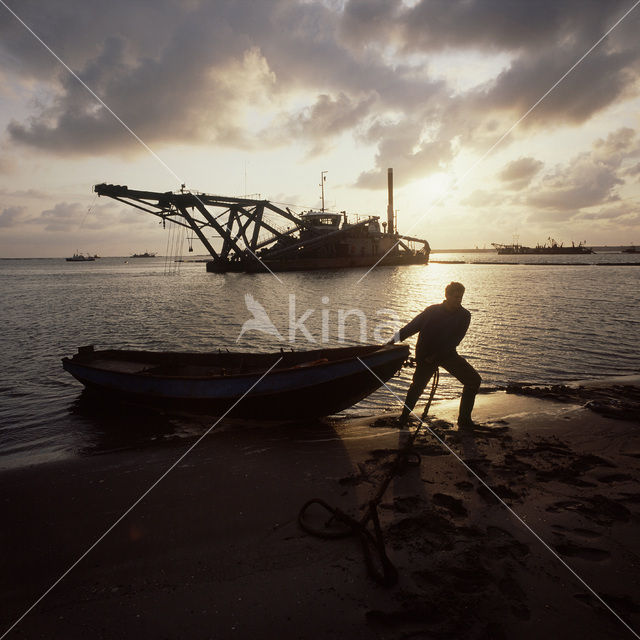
point(169, 248)
point(173, 252)
point(88, 210)
point(177, 259)
point(342, 525)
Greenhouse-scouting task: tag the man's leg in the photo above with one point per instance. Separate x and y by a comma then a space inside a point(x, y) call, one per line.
point(421, 376)
point(457, 366)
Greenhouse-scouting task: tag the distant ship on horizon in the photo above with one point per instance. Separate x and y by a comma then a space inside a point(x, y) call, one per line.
point(550, 248)
point(80, 257)
point(146, 254)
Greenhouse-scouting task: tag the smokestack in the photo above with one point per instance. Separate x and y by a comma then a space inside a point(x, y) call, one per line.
point(390, 225)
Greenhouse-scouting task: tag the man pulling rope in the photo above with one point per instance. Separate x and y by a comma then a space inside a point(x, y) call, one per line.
point(441, 328)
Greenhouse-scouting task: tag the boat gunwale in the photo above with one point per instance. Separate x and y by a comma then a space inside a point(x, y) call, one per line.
point(374, 349)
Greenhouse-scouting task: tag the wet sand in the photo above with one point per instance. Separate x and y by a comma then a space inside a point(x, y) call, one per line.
point(215, 550)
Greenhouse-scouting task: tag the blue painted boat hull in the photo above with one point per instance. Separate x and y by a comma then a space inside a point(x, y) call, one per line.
point(302, 384)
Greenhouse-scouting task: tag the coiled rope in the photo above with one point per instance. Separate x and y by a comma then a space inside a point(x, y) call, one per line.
point(379, 567)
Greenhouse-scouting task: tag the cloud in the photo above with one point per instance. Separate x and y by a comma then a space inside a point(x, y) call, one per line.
point(590, 178)
point(159, 100)
point(617, 148)
point(411, 146)
point(586, 192)
point(616, 212)
point(7, 165)
point(544, 40)
point(599, 81)
point(478, 25)
point(482, 198)
point(328, 117)
point(62, 218)
point(619, 222)
point(187, 75)
point(633, 170)
point(12, 216)
point(36, 194)
point(366, 21)
point(76, 31)
point(519, 173)
point(245, 74)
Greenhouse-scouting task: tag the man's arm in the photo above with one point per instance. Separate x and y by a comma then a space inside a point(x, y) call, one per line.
point(412, 327)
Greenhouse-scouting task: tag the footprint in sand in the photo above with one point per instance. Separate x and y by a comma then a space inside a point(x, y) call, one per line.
point(585, 533)
point(620, 603)
point(598, 509)
point(615, 477)
point(573, 550)
point(451, 504)
point(500, 544)
point(471, 579)
point(408, 504)
point(512, 591)
point(500, 490)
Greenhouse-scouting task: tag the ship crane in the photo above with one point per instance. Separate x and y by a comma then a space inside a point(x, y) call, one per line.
point(253, 235)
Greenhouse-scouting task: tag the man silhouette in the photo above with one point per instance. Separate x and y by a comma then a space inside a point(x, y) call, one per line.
point(441, 328)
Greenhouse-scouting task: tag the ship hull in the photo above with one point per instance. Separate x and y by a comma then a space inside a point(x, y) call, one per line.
point(544, 251)
point(315, 264)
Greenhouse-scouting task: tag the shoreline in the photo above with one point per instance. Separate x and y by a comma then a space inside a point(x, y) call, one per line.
point(151, 429)
point(214, 550)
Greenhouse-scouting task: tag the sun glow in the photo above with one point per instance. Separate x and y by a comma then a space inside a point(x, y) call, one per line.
point(432, 189)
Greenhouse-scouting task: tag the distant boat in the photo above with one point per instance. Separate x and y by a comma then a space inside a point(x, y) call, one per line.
point(80, 257)
point(552, 248)
point(302, 383)
point(146, 254)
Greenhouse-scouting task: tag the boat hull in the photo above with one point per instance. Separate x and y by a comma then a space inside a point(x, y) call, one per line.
point(327, 382)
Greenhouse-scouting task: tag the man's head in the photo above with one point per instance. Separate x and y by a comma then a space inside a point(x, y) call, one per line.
point(453, 293)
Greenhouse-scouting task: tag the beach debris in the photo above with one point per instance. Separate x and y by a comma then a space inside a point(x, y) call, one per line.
point(621, 402)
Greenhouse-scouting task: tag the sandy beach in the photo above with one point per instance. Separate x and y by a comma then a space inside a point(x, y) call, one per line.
point(214, 550)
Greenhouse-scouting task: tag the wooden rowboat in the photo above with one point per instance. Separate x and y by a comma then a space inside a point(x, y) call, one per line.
point(301, 384)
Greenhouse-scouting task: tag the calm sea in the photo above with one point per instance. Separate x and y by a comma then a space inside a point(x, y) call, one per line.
point(538, 323)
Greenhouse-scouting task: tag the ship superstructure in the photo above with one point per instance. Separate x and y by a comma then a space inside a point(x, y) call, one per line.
point(253, 235)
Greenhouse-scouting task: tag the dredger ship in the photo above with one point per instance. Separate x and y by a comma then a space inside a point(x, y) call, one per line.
point(551, 247)
point(251, 235)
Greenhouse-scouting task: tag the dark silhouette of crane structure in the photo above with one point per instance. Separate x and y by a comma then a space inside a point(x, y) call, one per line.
point(253, 235)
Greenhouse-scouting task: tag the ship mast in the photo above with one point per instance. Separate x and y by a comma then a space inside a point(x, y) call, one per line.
point(323, 179)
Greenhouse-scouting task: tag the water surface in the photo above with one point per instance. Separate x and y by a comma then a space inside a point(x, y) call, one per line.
point(537, 323)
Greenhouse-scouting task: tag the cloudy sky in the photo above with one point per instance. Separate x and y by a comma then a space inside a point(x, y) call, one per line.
point(240, 97)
